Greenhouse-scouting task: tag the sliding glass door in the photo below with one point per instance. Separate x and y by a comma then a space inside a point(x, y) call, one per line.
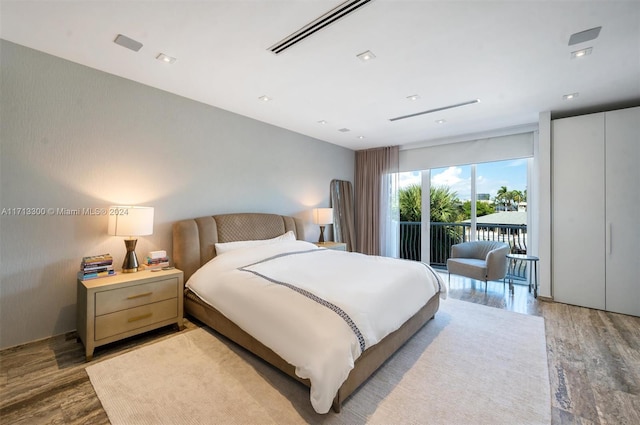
point(450, 192)
point(486, 201)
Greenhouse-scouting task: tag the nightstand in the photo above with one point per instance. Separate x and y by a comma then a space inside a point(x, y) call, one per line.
point(338, 246)
point(127, 304)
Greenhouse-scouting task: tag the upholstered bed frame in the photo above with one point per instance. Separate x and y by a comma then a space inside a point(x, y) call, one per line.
point(193, 246)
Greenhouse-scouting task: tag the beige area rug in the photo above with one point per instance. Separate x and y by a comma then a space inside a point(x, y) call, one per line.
point(470, 365)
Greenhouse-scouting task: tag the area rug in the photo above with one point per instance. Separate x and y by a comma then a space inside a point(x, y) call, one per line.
point(470, 365)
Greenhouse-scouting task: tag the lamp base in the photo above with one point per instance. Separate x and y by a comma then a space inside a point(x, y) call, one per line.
point(321, 240)
point(130, 264)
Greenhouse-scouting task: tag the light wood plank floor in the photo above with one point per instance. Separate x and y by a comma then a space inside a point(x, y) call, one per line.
point(593, 356)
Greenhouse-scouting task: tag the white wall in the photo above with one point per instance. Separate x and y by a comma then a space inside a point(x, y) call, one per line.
point(73, 137)
point(542, 194)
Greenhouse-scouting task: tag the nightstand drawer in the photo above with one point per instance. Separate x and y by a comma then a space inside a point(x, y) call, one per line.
point(134, 296)
point(134, 318)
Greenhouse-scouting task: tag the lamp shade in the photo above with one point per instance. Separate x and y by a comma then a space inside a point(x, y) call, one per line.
point(323, 216)
point(130, 221)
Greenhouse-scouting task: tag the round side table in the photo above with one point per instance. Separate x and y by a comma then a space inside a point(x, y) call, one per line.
point(534, 262)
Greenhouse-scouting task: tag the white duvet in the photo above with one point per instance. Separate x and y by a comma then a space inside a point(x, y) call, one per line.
point(316, 308)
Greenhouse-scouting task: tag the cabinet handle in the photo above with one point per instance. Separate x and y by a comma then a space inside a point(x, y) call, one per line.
point(141, 317)
point(133, 297)
point(609, 237)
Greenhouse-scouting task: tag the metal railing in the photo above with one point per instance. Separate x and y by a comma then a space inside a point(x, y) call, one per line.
point(443, 235)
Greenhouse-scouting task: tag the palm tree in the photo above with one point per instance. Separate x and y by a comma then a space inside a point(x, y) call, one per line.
point(501, 196)
point(508, 198)
point(444, 205)
point(410, 202)
point(445, 208)
point(517, 197)
point(410, 199)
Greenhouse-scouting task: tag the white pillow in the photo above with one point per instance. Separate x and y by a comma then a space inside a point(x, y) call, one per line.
point(221, 248)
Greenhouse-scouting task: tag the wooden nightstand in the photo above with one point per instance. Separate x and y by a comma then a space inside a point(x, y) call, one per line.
point(127, 304)
point(338, 246)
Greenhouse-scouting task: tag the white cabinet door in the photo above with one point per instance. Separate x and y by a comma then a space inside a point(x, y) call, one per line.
point(578, 211)
point(622, 224)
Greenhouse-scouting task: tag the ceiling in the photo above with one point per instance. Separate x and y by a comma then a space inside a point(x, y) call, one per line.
point(512, 55)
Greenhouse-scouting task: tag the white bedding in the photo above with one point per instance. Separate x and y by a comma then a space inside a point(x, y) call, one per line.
point(309, 304)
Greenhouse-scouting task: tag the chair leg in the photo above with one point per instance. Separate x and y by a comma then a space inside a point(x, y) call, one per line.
point(485, 285)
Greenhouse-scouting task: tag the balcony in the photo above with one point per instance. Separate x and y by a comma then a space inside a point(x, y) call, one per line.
point(443, 235)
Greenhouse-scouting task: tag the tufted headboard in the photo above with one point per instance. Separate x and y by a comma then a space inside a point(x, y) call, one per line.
point(194, 239)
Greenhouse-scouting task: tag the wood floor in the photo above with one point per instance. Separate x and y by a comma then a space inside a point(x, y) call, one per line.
point(593, 356)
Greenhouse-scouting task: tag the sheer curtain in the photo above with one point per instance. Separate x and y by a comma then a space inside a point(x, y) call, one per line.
point(377, 213)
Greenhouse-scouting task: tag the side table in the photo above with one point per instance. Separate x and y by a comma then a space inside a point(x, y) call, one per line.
point(533, 271)
point(116, 307)
point(338, 246)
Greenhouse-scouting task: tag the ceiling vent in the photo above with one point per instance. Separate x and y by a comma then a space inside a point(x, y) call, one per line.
point(316, 25)
point(582, 36)
point(457, 105)
point(127, 42)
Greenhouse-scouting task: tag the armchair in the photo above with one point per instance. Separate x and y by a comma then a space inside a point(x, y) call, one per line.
point(480, 260)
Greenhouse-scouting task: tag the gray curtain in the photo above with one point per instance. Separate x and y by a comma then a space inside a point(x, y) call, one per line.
point(342, 204)
point(374, 192)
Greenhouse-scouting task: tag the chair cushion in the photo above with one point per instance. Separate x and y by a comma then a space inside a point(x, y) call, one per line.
point(469, 267)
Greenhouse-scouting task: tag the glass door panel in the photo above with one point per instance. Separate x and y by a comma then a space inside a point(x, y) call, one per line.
point(410, 203)
point(449, 222)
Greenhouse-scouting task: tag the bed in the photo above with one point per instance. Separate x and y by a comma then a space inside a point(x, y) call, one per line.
point(196, 243)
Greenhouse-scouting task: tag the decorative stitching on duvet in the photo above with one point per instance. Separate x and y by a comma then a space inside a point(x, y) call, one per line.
point(340, 312)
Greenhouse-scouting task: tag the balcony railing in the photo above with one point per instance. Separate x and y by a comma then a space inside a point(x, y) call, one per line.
point(443, 235)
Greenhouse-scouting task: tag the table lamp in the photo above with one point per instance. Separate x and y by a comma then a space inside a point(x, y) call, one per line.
point(130, 221)
point(322, 216)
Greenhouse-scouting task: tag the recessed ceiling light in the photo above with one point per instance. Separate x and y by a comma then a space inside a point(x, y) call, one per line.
point(166, 59)
point(570, 96)
point(323, 122)
point(413, 97)
point(366, 56)
point(581, 53)
point(265, 98)
point(360, 137)
point(441, 121)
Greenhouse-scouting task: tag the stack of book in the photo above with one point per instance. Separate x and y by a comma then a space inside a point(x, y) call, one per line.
point(156, 260)
point(96, 266)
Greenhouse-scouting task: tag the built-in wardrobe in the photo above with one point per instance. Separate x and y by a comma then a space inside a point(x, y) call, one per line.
point(596, 210)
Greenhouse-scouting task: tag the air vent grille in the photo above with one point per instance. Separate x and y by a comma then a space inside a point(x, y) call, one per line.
point(316, 25)
point(127, 42)
point(457, 105)
point(582, 36)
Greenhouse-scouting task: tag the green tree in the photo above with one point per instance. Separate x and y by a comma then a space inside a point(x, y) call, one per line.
point(507, 198)
point(501, 196)
point(482, 208)
point(445, 205)
point(410, 199)
point(517, 196)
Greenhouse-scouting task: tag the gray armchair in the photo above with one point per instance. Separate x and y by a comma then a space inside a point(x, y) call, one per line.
point(480, 260)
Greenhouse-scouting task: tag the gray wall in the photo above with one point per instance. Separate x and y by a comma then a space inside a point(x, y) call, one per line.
point(73, 137)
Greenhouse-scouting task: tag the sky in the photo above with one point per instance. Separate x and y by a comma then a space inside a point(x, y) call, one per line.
point(490, 177)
